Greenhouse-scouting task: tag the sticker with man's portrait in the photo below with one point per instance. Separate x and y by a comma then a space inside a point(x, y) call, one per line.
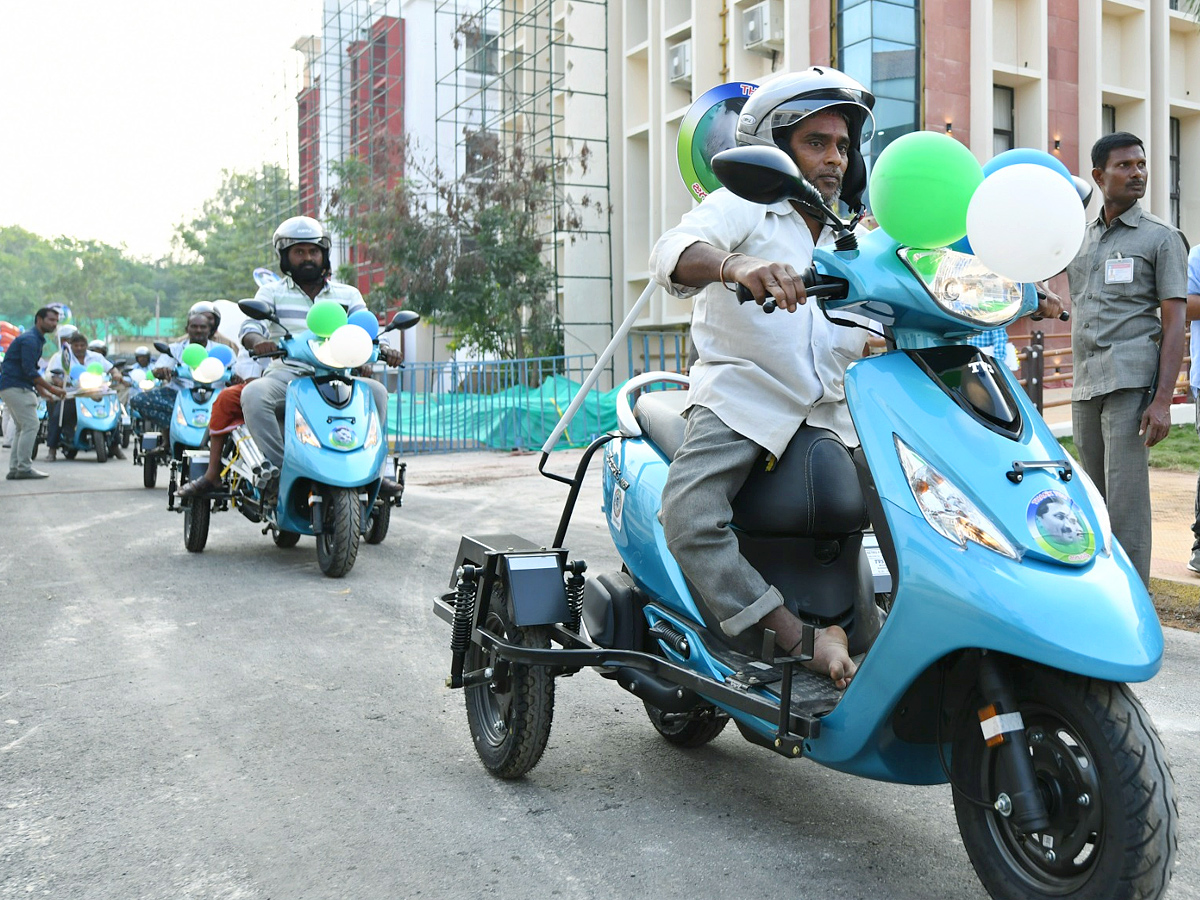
point(1060, 528)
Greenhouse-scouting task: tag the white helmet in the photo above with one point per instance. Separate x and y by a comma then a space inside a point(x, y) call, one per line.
point(209, 309)
point(301, 230)
point(98, 346)
point(783, 100)
point(141, 350)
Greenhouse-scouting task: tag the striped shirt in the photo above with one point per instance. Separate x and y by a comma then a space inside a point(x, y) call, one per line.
point(291, 306)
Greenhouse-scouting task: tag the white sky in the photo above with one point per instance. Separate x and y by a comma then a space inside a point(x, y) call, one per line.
point(119, 115)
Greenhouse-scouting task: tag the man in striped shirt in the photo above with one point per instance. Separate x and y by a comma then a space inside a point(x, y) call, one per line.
point(303, 245)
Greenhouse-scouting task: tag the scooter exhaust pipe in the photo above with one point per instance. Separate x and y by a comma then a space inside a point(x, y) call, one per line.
point(665, 695)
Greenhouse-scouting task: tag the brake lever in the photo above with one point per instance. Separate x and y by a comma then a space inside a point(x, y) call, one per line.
point(744, 296)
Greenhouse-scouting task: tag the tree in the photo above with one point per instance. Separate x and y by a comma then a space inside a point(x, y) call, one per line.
point(231, 237)
point(466, 253)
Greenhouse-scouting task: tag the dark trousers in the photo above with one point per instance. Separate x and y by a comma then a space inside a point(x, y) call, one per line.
point(61, 418)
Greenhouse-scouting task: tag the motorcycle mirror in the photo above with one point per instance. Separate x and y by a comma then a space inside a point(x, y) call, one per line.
point(257, 309)
point(764, 175)
point(162, 347)
point(1084, 188)
point(405, 318)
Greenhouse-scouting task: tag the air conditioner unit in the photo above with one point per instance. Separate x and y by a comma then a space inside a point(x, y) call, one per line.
point(762, 27)
point(679, 63)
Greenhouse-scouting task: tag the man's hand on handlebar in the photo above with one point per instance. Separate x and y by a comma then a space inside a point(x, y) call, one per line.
point(162, 373)
point(390, 355)
point(263, 348)
point(777, 282)
point(1050, 304)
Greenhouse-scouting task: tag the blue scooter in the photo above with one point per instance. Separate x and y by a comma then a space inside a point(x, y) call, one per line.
point(97, 419)
point(189, 423)
point(334, 449)
point(997, 622)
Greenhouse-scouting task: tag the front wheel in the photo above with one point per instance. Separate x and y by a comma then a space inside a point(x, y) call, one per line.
point(690, 729)
point(1108, 790)
point(377, 524)
point(100, 442)
point(337, 544)
point(196, 516)
point(509, 716)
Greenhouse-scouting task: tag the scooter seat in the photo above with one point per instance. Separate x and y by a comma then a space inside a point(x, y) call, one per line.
point(660, 415)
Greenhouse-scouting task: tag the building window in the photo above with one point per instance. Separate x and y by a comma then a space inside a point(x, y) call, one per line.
point(483, 52)
point(879, 45)
point(1174, 186)
point(1108, 119)
point(1004, 136)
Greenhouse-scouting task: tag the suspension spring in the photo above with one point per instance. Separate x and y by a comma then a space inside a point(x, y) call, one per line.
point(672, 637)
point(575, 582)
point(465, 589)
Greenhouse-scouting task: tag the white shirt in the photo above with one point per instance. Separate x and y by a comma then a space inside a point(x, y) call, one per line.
point(291, 306)
point(763, 375)
point(65, 360)
point(165, 360)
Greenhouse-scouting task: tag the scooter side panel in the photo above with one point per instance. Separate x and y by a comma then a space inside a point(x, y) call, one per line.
point(635, 471)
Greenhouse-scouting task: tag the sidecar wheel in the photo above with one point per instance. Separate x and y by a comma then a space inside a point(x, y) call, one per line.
point(284, 539)
point(691, 729)
point(149, 471)
point(124, 438)
point(1108, 789)
point(70, 452)
point(377, 524)
point(510, 716)
point(196, 517)
point(100, 442)
point(337, 544)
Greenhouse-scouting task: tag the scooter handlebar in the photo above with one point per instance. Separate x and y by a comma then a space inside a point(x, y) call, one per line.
point(814, 286)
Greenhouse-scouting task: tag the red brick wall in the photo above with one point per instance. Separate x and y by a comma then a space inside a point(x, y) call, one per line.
point(947, 58)
point(1063, 84)
point(820, 36)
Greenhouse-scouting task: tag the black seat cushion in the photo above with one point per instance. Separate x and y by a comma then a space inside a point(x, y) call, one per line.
point(660, 415)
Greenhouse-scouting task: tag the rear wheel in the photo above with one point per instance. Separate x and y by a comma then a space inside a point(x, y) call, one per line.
point(70, 452)
point(690, 729)
point(100, 442)
point(284, 539)
point(337, 544)
point(149, 471)
point(377, 524)
point(1107, 787)
point(37, 443)
point(509, 716)
point(196, 516)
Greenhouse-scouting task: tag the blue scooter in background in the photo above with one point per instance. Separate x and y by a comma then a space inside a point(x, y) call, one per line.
point(995, 641)
point(97, 419)
point(334, 450)
point(189, 422)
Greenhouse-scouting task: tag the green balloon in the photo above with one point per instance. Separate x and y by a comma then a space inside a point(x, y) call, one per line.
point(325, 318)
point(921, 186)
point(95, 368)
point(193, 355)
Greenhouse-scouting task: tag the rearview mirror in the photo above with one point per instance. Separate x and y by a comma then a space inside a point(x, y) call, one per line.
point(256, 309)
point(405, 318)
point(162, 347)
point(764, 175)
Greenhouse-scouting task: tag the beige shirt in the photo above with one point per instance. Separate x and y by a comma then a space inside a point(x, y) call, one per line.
point(763, 375)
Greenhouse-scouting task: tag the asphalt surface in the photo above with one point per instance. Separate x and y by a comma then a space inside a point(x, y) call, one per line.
point(232, 724)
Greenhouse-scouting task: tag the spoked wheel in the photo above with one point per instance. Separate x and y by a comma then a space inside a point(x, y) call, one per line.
point(196, 516)
point(149, 471)
point(377, 524)
point(283, 538)
point(337, 544)
point(510, 716)
point(100, 442)
point(690, 729)
point(1107, 787)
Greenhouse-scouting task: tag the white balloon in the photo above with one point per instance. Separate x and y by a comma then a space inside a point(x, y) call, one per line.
point(209, 371)
point(1025, 222)
point(324, 353)
point(351, 346)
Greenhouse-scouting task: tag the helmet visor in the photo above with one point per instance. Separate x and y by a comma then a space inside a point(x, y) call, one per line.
point(792, 111)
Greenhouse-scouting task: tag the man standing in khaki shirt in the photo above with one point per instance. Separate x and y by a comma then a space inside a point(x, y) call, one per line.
point(1128, 284)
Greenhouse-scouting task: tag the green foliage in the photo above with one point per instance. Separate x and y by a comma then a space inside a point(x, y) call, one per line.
point(232, 235)
point(464, 253)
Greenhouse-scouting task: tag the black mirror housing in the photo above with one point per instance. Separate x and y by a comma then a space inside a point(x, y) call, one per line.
point(764, 175)
point(256, 309)
point(405, 318)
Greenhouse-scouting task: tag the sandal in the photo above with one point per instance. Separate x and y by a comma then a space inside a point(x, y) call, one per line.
point(198, 488)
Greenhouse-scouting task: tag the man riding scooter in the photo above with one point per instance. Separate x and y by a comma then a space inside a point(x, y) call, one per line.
point(154, 406)
point(63, 415)
point(303, 246)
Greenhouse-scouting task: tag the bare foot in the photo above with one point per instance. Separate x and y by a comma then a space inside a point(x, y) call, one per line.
point(831, 653)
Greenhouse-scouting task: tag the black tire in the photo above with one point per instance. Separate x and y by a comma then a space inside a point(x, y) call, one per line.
point(337, 544)
point(1109, 790)
point(196, 516)
point(283, 538)
point(70, 452)
point(37, 443)
point(691, 729)
point(509, 717)
point(100, 443)
point(124, 438)
point(149, 471)
point(377, 524)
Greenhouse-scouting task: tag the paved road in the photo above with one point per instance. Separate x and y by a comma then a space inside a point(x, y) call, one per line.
point(234, 725)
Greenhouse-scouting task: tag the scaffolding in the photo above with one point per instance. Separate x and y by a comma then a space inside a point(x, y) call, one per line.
point(532, 75)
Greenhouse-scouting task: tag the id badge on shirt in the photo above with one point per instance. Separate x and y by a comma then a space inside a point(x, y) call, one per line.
point(1118, 271)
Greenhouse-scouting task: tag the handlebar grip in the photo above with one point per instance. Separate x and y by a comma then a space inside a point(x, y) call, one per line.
point(744, 296)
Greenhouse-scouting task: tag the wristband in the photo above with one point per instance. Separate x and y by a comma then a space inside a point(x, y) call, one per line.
point(721, 271)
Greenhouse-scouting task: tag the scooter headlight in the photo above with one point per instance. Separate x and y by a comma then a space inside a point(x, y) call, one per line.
point(303, 433)
point(84, 410)
point(948, 509)
point(373, 433)
point(963, 286)
point(179, 417)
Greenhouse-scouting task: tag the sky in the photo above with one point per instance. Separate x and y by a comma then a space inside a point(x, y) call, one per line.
point(120, 115)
